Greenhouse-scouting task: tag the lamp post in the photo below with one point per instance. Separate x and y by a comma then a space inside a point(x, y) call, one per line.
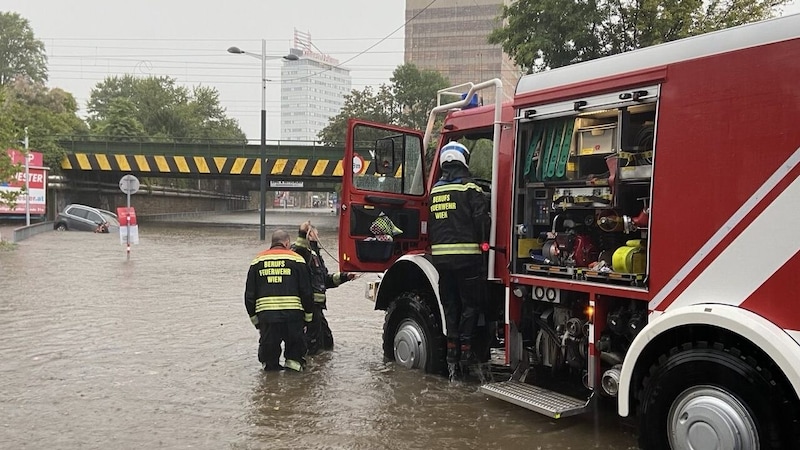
point(263, 150)
point(27, 182)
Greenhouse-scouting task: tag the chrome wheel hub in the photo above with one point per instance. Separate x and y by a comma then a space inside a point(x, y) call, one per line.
point(707, 417)
point(409, 345)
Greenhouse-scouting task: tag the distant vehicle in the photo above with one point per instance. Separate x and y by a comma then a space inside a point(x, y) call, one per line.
point(86, 218)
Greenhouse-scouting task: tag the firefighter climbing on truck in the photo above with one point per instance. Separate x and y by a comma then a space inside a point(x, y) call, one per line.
point(459, 224)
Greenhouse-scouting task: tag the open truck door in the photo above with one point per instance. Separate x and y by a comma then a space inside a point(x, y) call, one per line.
point(383, 212)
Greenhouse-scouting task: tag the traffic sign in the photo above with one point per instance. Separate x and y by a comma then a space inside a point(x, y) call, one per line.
point(129, 184)
point(358, 164)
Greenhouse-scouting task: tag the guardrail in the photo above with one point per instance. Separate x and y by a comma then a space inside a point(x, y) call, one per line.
point(24, 232)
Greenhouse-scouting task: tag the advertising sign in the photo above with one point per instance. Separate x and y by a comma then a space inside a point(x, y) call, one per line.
point(285, 184)
point(37, 182)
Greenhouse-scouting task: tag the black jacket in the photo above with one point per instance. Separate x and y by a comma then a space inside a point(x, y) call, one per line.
point(321, 280)
point(278, 287)
point(459, 218)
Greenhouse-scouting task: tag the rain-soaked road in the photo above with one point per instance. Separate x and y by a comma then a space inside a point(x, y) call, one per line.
point(157, 352)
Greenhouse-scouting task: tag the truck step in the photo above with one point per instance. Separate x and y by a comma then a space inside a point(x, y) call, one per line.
point(535, 398)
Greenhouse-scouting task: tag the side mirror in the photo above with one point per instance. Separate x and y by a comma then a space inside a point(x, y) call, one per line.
point(384, 157)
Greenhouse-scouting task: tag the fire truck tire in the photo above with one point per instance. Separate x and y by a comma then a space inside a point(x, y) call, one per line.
point(712, 396)
point(412, 334)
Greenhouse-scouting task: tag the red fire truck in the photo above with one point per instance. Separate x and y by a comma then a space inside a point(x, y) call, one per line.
point(644, 243)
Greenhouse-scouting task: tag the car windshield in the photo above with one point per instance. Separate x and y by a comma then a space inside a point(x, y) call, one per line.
point(109, 217)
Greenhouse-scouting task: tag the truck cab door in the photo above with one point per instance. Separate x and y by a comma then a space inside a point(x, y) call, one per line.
point(383, 212)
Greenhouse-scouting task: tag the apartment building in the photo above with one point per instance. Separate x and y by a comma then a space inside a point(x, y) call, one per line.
point(451, 38)
point(312, 90)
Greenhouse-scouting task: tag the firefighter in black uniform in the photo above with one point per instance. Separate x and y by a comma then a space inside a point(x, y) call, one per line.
point(457, 225)
point(279, 301)
point(318, 334)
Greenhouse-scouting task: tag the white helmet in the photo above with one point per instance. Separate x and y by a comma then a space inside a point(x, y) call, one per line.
point(453, 151)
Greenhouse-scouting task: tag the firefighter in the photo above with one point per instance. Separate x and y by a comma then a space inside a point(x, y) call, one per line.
point(318, 334)
point(457, 225)
point(279, 301)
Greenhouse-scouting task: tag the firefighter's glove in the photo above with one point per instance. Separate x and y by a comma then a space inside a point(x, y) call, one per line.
point(254, 320)
point(343, 277)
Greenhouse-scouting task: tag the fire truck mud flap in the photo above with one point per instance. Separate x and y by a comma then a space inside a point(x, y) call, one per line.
point(535, 398)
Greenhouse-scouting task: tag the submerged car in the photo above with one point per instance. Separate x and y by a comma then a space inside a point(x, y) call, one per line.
point(86, 218)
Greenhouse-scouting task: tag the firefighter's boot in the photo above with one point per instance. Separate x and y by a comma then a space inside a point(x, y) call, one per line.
point(468, 358)
point(453, 354)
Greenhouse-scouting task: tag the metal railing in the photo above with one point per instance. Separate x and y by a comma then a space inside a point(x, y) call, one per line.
point(199, 147)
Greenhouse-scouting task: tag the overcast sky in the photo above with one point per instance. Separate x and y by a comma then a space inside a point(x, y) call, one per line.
point(87, 40)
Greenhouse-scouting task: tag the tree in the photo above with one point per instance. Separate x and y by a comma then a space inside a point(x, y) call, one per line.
point(21, 54)
point(47, 113)
point(365, 104)
point(406, 101)
point(414, 92)
point(8, 170)
point(121, 123)
point(545, 34)
point(127, 107)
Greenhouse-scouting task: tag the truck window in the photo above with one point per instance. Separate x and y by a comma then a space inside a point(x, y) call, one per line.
point(480, 159)
point(387, 161)
point(584, 183)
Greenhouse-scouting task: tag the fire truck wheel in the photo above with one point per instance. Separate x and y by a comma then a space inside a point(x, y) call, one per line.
point(713, 396)
point(412, 334)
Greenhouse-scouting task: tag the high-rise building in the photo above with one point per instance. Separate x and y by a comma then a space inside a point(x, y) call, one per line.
point(312, 90)
point(451, 38)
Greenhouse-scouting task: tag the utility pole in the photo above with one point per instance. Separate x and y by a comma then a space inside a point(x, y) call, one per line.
point(27, 182)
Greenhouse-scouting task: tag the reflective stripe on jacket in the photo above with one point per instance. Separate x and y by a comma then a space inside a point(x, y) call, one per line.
point(459, 219)
point(278, 280)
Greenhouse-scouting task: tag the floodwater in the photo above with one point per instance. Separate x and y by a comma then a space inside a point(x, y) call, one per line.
point(156, 351)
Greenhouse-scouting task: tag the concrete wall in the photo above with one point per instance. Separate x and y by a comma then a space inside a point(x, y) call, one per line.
point(154, 202)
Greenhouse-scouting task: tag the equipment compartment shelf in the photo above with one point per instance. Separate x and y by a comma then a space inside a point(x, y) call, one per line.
point(634, 279)
point(546, 270)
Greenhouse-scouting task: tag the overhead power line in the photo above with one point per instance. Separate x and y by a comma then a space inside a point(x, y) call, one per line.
point(339, 66)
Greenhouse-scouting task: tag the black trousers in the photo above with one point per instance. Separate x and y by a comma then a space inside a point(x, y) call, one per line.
point(290, 332)
point(318, 336)
point(462, 293)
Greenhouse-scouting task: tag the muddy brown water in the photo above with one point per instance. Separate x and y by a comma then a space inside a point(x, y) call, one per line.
point(98, 351)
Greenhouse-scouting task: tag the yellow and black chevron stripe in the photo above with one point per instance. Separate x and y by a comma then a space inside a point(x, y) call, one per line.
point(206, 165)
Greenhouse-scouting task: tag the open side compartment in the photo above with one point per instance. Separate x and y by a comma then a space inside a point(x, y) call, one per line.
point(583, 188)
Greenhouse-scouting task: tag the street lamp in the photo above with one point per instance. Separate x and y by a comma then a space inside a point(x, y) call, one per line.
point(27, 182)
point(264, 58)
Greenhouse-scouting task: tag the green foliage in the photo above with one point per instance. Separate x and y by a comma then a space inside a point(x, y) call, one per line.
point(414, 92)
point(47, 113)
point(7, 173)
point(130, 108)
point(480, 160)
point(365, 104)
point(121, 123)
point(21, 54)
point(544, 34)
point(406, 101)
point(7, 170)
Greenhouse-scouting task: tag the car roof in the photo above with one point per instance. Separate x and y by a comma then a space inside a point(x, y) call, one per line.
point(90, 207)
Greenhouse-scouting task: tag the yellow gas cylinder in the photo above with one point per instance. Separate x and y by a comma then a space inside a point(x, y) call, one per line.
point(632, 258)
